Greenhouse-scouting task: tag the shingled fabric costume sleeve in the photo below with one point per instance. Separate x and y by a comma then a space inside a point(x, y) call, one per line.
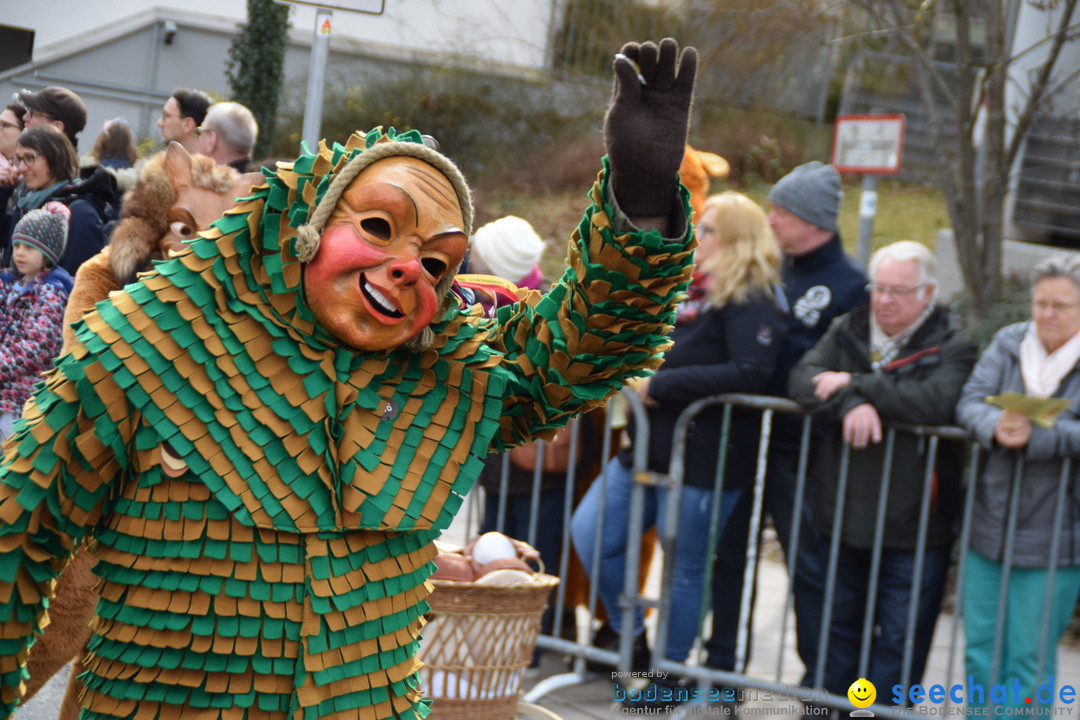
point(60, 466)
point(275, 495)
point(606, 321)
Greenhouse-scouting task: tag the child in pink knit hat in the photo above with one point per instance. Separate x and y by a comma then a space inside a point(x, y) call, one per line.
point(33, 295)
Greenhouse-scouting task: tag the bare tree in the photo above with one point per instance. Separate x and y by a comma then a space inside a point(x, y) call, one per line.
point(977, 125)
point(751, 50)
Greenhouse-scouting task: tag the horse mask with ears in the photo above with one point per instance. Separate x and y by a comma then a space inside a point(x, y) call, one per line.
point(177, 196)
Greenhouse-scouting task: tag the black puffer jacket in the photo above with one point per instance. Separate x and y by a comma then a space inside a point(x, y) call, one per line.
point(730, 349)
point(920, 386)
point(819, 286)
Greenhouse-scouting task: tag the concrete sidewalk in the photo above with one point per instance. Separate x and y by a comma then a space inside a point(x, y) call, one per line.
point(593, 699)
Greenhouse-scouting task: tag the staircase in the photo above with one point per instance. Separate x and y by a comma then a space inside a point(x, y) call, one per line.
point(1047, 208)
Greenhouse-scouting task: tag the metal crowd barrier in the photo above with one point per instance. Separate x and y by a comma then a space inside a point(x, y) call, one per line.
point(583, 650)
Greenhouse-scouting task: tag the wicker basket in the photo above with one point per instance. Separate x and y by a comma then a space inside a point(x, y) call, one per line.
point(477, 644)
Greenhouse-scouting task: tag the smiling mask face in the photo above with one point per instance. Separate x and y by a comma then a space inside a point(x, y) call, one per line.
point(395, 233)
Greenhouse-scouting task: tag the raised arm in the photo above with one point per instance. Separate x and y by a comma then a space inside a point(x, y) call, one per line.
point(645, 129)
point(629, 260)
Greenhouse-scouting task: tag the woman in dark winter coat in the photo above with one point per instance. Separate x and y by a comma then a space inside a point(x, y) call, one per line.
point(1039, 358)
point(726, 339)
point(48, 170)
point(33, 294)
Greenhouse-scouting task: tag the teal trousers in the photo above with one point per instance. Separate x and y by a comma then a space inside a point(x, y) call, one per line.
point(1025, 601)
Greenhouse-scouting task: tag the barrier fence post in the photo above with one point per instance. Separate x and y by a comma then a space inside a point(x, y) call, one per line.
point(878, 545)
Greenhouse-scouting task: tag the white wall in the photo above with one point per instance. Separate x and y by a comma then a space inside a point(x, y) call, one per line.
point(121, 66)
point(1030, 49)
point(507, 31)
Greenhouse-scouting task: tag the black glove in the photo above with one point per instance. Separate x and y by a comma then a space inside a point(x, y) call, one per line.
point(646, 123)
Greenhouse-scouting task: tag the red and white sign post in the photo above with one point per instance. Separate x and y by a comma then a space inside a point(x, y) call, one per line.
point(320, 49)
point(870, 145)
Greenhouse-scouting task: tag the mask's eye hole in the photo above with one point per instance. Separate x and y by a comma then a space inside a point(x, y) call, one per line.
point(434, 266)
point(377, 227)
point(182, 229)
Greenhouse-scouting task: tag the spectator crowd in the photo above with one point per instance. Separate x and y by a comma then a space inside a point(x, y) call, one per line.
point(876, 512)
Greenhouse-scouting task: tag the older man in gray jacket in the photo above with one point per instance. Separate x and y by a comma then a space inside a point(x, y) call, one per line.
point(895, 360)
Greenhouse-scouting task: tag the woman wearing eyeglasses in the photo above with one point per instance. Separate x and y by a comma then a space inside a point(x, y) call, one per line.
point(1029, 523)
point(11, 124)
point(727, 339)
point(48, 169)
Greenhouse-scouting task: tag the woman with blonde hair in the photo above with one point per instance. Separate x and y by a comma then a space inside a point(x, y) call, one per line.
point(745, 258)
point(726, 339)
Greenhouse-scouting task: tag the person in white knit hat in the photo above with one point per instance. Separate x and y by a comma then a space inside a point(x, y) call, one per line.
point(510, 248)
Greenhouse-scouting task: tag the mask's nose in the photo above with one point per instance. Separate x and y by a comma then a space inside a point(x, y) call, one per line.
point(405, 271)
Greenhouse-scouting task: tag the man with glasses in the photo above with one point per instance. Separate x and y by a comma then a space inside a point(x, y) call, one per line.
point(181, 117)
point(821, 282)
point(56, 106)
point(896, 360)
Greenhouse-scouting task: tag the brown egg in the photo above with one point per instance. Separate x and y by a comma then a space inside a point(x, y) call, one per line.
point(453, 567)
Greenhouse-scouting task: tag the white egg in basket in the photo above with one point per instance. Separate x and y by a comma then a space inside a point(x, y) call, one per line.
point(492, 546)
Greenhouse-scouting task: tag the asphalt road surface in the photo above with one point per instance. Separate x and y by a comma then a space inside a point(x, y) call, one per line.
point(46, 704)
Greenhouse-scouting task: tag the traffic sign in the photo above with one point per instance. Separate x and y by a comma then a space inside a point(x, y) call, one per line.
point(371, 7)
point(868, 144)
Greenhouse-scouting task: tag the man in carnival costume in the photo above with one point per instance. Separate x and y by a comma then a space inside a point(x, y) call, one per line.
point(264, 435)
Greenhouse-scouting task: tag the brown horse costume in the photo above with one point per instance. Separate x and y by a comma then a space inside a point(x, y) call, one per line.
point(176, 196)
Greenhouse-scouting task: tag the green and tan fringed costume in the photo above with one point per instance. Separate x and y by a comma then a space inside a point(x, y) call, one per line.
point(263, 500)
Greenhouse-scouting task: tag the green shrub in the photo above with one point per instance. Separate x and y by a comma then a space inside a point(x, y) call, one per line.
point(1014, 306)
point(480, 121)
point(255, 66)
point(760, 146)
point(592, 30)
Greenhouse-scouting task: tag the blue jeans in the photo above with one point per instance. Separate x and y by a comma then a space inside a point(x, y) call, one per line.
point(1025, 597)
point(810, 565)
point(690, 549)
point(890, 616)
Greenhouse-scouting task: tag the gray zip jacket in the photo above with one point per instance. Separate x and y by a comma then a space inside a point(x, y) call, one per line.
point(998, 371)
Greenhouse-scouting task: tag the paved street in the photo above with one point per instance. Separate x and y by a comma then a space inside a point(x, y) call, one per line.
point(592, 700)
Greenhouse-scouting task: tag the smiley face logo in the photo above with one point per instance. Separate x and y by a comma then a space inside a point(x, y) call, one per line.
point(862, 693)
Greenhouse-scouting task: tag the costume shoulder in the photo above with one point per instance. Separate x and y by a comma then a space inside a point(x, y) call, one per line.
point(93, 282)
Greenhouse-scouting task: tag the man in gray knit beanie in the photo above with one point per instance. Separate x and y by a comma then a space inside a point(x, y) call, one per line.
point(811, 192)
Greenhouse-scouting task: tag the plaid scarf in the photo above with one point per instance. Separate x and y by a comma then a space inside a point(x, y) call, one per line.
point(884, 348)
